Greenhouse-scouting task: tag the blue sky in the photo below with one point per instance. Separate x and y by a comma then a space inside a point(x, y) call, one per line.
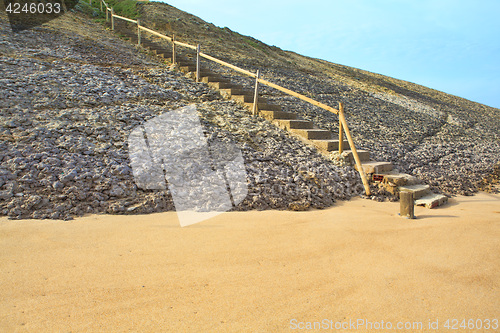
point(449, 45)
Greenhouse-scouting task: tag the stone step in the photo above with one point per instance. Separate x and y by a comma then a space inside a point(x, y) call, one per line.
point(312, 134)
point(156, 50)
point(163, 55)
point(235, 91)
point(376, 167)
point(265, 107)
point(147, 45)
point(192, 69)
point(330, 145)
point(243, 98)
point(182, 63)
point(432, 200)
point(247, 99)
point(395, 178)
point(220, 85)
point(287, 124)
point(364, 155)
point(187, 69)
point(271, 115)
point(131, 39)
point(418, 190)
point(213, 78)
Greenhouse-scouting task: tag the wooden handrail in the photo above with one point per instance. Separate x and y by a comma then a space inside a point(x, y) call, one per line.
point(125, 18)
point(340, 112)
point(354, 152)
point(221, 62)
point(185, 45)
point(155, 33)
point(302, 97)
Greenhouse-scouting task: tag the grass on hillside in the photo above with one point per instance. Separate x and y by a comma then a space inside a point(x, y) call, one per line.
point(126, 8)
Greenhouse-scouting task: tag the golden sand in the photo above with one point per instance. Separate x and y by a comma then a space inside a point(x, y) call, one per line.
point(253, 271)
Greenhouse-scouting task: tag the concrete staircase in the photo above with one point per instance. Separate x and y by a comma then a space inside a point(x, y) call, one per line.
point(377, 172)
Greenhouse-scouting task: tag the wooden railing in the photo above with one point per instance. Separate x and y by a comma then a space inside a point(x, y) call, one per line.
point(110, 15)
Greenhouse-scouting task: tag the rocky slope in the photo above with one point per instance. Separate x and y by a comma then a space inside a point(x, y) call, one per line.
point(72, 92)
point(447, 141)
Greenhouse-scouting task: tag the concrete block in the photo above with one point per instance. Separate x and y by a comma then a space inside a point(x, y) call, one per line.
point(432, 200)
point(220, 85)
point(207, 79)
point(364, 155)
point(271, 115)
point(288, 124)
point(313, 134)
point(418, 190)
point(330, 145)
point(265, 107)
point(376, 167)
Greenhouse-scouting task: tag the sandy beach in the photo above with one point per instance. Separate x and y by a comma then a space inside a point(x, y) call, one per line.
point(269, 271)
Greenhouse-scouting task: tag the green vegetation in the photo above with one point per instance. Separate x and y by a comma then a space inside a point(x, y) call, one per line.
point(93, 10)
point(255, 44)
point(127, 8)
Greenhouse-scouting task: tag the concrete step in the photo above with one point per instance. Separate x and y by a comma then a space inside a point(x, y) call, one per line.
point(192, 69)
point(392, 180)
point(287, 124)
point(131, 39)
point(235, 91)
point(364, 155)
point(187, 69)
point(146, 43)
point(376, 167)
point(208, 79)
point(220, 85)
point(330, 145)
point(243, 98)
point(247, 99)
point(271, 115)
point(183, 62)
point(395, 178)
point(163, 55)
point(312, 134)
point(432, 200)
point(418, 190)
point(160, 51)
point(265, 107)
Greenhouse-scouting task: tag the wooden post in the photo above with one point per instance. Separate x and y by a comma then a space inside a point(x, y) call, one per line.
point(112, 19)
point(173, 50)
point(90, 2)
point(138, 32)
point(256, 94)
point(406, 208)
point(354, 151)
point(198, 50)
point(341, 131)
point(107, 14)
point(100, 2)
